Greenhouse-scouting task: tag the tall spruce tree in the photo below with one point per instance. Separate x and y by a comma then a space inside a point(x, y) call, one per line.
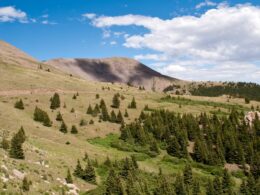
point(68, 177)
point(89, 173)
point(55, 101)
point(63, 127)
point(116, 101)
point(16, 149)
point(74, 129)
point(78, 172)
point(187, 174)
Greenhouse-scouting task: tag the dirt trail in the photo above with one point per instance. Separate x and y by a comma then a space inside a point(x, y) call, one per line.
point(35, 91)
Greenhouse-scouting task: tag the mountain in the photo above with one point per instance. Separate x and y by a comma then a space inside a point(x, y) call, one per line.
point(116, 69)
point(12, 55)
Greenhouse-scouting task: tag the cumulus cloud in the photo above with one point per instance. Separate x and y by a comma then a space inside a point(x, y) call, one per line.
point(11, 14)
point(222, 43)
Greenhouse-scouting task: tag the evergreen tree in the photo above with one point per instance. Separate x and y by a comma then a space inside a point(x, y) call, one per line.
point(104, 112)
point(244, 188)
point(55, 101)
point(59, 117)
point(19, 104)
point(217, 185)
point(132, 104)
point(78, 172)
point(116, 101)
point(89, 173)
point(113, 118)
point(16, 149)
point(42, 116)
point(126, 114)
point(196, 187)
point(74, 129)
point(63, 127)
point(187, 174)
point(179, 186)
point(21, 135)
point(96, 111)
point(210, 189)
point(74, 97)
point(46, 120)
point(226, 182)
point(113, 184)
point(90, 110)
point(173, 147)
point(119, 118)
point(68, 177)
point(83, 122)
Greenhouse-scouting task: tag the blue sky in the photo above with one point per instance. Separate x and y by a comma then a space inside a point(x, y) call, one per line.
point(91, 28)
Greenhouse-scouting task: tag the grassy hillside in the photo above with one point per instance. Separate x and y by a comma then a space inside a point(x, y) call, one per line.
point(49, 153)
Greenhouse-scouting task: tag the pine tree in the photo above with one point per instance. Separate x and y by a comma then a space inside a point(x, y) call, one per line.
point(19, 104)
point(113, 184)
point(179, 186)
point(126, 114)
point(16, 149)
point(119, 118)
point(209, 188)
point(63, 127)
point(244, 188)
point(89, 173)
point(113, 118)
point(83, 122)
point(78, 172)
point(196, 187)
point(217, 185)
point(59, 117)
point(55, 101)
point(96, 111)
point(21, 135)
point(74, 97)
point(187, 174)
point(42, 116)
point(173, 147)
point(46, 120)
point(226, 182)
point(74, 129)
point(132, 104)
point(90, 110)
point(68, 177)
point(25, 185)
point(104, 112)
point(115, 101)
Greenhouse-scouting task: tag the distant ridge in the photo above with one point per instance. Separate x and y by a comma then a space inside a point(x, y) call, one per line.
point(115, 69)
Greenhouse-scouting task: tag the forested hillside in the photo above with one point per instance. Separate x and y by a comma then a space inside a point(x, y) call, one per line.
point(250, 91)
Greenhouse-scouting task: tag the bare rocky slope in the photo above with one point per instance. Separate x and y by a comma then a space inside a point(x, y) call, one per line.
point(116, 69)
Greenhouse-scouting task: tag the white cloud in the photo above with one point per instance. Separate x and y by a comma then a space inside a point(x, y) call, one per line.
point(155, 57)
point(45, 16)
point(11, 14)
point(113, 43)
point(47, 22)
point(222, 43)
point(89, 15)
point(206, 3)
